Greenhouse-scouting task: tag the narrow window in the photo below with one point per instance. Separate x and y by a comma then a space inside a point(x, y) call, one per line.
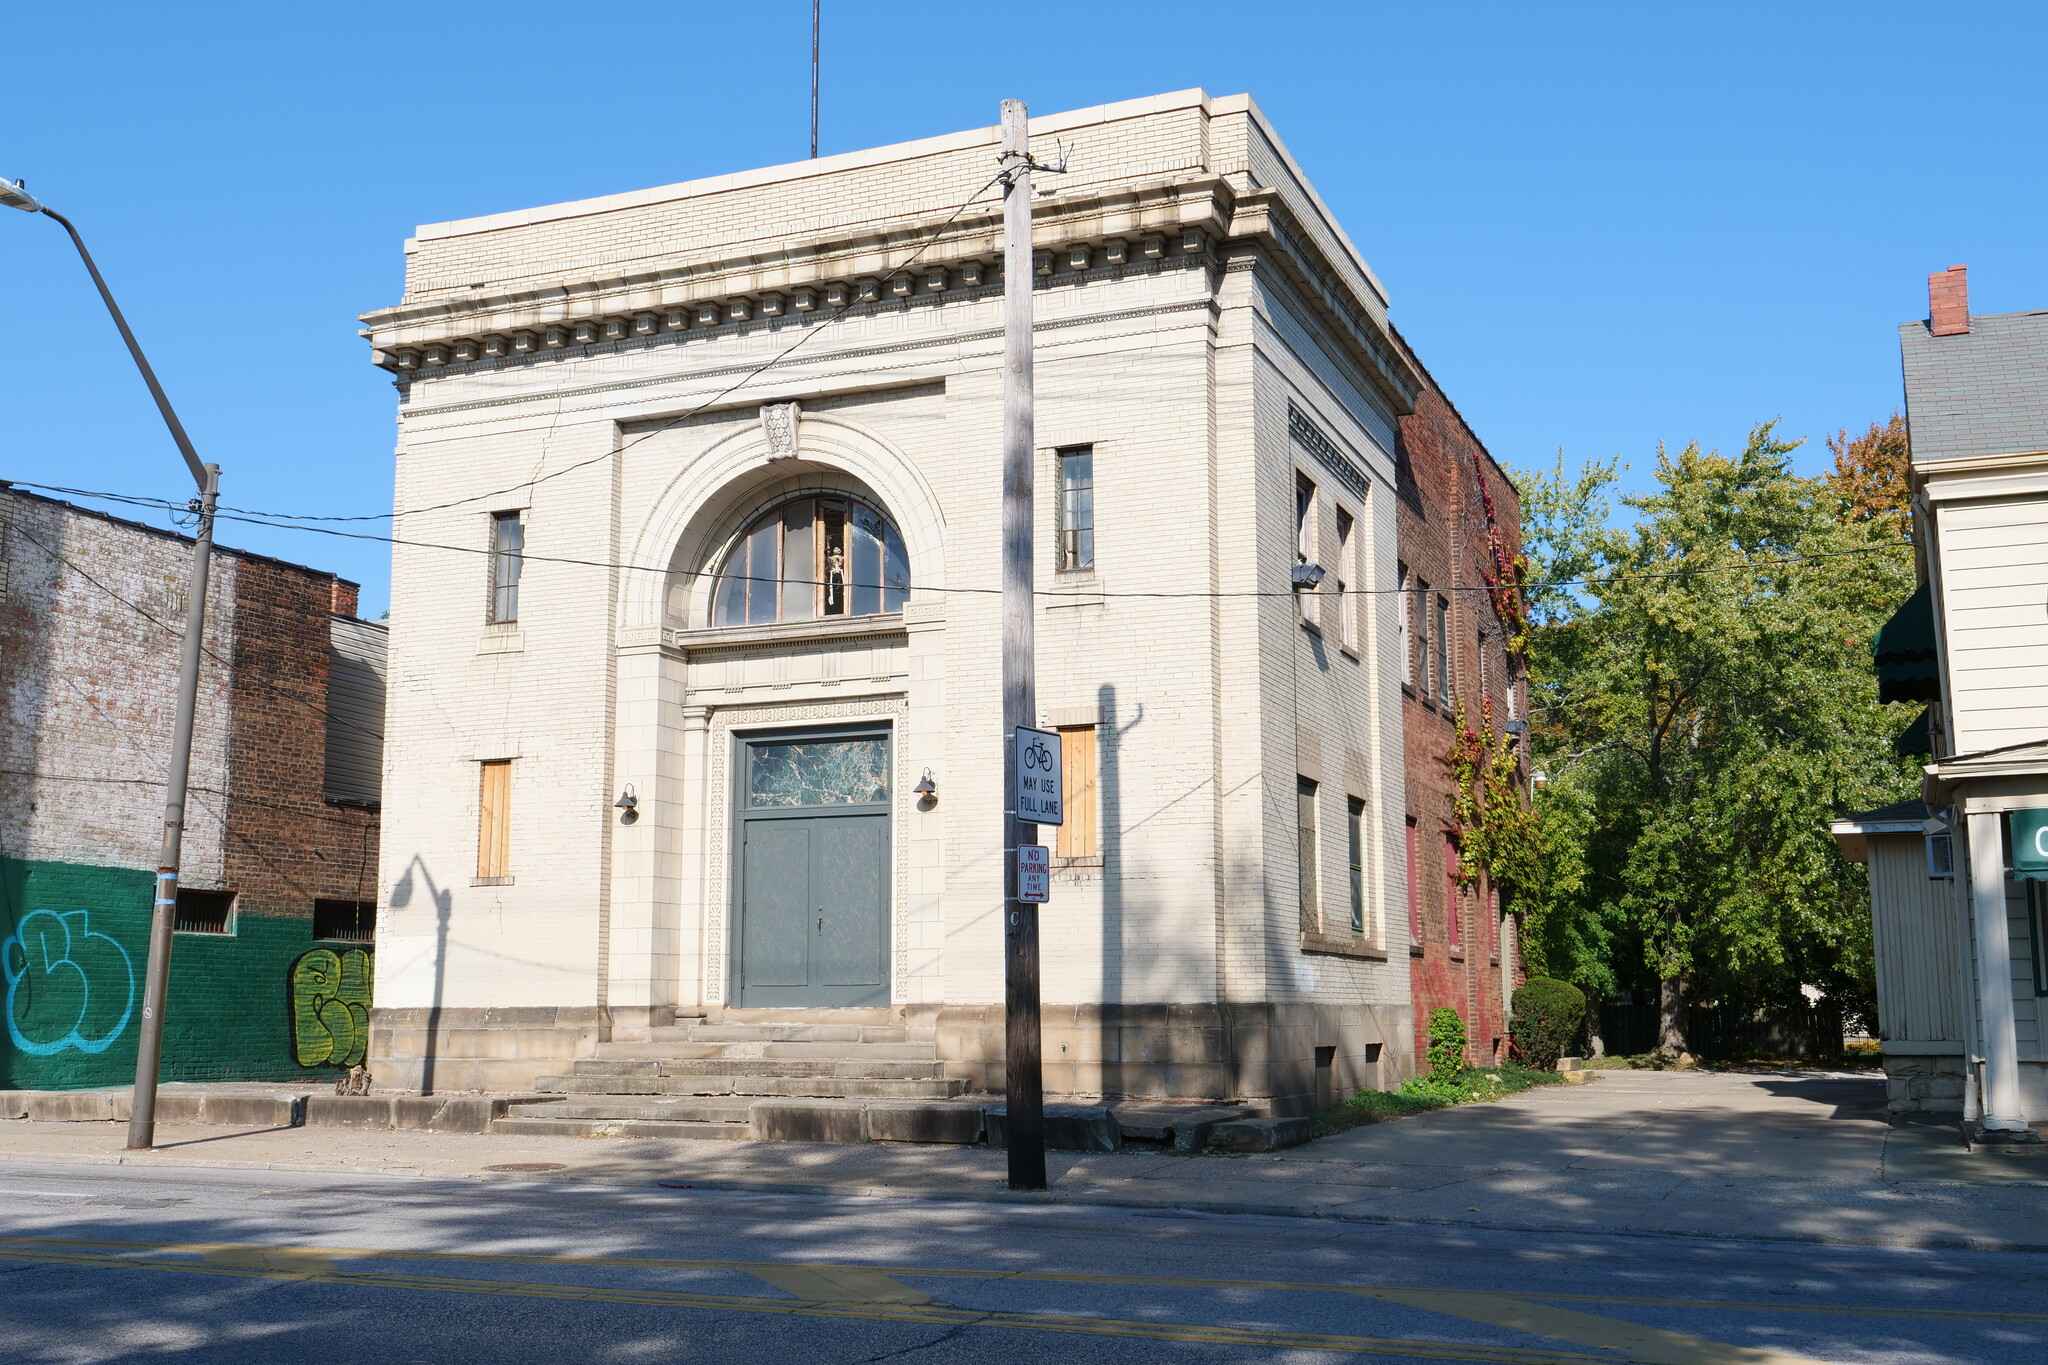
point(1407, 627)
point(1080, 836)
point(1441, 633)
point(1452, 927)
point(1305, 805)
point(494, 820)
point(204, 912)
point(1304, 542)
point(1492, 903)
point(1421, 600)
point(1077, 508)
point(1414, 882)
point(1347, 603)
point(1354, 833)
point(508, 557)
point(345, 921)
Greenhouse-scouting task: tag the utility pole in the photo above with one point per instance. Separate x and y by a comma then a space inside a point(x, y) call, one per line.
point(163, 918)
point(1023, 1073)
point(814, 80)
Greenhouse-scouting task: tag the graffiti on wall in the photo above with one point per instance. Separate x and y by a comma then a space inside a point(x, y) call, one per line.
point(330, 1000)
point(67, 985)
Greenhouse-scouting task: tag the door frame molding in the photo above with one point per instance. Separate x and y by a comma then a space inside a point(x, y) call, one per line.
point(729, 730)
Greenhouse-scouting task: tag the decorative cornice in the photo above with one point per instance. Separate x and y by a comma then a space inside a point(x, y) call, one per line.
point(1149, 222)
point(1113, 229)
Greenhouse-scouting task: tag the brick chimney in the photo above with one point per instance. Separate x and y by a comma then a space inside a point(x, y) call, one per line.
point(1948, 301)
point(342, 599)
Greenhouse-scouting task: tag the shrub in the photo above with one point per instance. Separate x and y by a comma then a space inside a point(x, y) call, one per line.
point(1547, 1017)
point(1446, 1043)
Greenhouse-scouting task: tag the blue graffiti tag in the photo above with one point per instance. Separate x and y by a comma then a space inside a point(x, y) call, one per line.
point(51, 965)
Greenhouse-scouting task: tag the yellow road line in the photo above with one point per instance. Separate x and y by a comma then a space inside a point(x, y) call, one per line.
point(838, 1284)
point(1037, 1276)
point(914, 1314)
point(1652, 1345)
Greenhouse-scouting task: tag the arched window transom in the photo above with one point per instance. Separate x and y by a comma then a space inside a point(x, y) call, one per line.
point(811, 558)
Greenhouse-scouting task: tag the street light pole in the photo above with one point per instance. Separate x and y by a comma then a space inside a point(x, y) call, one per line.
point(163, 916)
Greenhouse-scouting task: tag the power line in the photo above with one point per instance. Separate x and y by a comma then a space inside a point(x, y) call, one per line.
point(144, 613)
point(1054, 593)
point(812, 329)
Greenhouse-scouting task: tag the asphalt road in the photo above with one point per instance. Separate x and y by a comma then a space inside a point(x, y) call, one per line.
point(115, 1264)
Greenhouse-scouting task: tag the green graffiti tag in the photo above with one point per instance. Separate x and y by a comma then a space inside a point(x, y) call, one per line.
point(331, 1007)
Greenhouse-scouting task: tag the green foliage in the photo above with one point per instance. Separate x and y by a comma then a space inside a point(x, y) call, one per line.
point(1703, 704)
point(1547, 1015)
point(1446, 1042)
point(1420, 1094)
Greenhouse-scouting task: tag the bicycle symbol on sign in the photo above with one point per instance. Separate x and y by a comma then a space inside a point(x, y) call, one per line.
point(1037, 757)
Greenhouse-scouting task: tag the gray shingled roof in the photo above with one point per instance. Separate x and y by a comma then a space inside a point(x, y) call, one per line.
point(1982, 393)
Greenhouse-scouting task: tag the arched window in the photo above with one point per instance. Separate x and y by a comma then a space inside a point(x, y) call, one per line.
point(811, 558)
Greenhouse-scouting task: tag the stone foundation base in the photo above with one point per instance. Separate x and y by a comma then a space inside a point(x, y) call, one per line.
point(450, 1051)
point(1923, 1084)
point(1281, 1059)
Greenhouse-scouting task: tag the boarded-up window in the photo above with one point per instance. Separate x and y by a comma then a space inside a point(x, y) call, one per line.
point(494, 820)
point(1080, 837)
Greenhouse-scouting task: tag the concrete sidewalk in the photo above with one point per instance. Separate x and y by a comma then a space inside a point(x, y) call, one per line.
point(1805, 1157)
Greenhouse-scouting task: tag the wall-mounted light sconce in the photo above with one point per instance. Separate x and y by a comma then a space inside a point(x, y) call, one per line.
point(927, 791)
point(1538, 780)
point(628, 806)
point(1515, 725)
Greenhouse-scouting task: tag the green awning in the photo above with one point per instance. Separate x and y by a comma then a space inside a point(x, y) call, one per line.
point(2029, 830)
point(1915, 741)
point(1904, 652)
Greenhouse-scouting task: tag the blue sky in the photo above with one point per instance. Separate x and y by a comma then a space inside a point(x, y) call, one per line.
point(1602, 226)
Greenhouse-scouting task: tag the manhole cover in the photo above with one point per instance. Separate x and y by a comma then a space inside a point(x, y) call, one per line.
point(530, 1166)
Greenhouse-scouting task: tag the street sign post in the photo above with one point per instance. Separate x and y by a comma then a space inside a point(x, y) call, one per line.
point(1034, 874)
point(1038, 794)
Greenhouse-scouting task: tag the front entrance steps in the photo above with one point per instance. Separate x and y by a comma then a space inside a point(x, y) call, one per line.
point(760, 1073)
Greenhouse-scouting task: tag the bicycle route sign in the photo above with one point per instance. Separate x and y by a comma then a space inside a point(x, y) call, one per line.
point(1038, 794)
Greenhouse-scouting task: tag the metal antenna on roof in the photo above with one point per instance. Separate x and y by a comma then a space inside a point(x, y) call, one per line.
point(814, 79)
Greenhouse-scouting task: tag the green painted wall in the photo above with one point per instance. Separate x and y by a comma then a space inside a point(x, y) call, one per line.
point(243, 1007)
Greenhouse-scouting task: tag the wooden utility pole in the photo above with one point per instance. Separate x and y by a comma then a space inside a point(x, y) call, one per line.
point(1023, 1073)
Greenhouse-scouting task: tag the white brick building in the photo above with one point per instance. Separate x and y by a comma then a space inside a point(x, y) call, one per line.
point(585, 378)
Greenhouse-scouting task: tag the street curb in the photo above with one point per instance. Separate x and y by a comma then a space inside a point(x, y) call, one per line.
point(1056, 1198)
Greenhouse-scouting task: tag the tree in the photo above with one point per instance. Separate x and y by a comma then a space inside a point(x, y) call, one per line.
point(1706, 706)
point(1869, 476)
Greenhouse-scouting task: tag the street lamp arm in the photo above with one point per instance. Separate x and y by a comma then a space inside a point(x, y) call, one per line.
point(156, 390)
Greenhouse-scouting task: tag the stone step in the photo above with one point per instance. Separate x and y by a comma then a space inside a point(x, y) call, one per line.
point(845, 1014)
point(625, 1059)
point(781, 1033)
point(880, 1069)
point(614, 1108)
point(820, 1087)
point(631, 1128)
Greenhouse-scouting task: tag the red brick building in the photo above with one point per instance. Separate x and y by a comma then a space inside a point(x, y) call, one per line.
point(1462, 953)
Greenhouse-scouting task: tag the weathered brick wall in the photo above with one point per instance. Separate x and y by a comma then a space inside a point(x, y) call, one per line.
point(286, 845)
point(1442, 536)
point(91, 611)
